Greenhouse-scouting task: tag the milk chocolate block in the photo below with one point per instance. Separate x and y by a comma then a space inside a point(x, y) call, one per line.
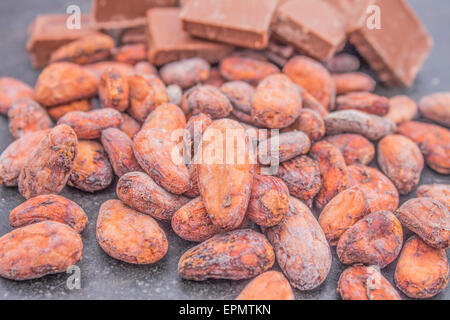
point(314, 27)
point(49, 32)
point(244, 23)
point(120, 14)
point(168, 42)
point(397, 47)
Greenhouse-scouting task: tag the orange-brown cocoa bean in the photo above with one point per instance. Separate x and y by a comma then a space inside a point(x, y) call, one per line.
point(422, 271)
point(376, 239)
point(140, 192)
point(269, 201)
point(48, 168)
point(191, 222)
point(39, 249)
point(401, 160)
point(270, 285)
point(92, 170)
point(49, 207)
point(427, 218)
point(365, 283)
point(300, 247)
point(236, 255)
point(128, 235)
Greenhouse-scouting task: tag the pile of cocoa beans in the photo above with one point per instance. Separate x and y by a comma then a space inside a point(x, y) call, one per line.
point(291, 183)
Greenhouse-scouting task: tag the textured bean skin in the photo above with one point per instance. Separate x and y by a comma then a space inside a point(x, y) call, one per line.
point(158, 156)
point(402, 109)
point(354, 147)
point(380, 192)
point(343, 62)
point(119, 148)
point(48, 168)
point(314, 78)
point(436, 107)
point(39, 249)
point(128, 235)
point(209, 100)
point(302, 177)
point(225, 186)
point(370, 126)
point(99, 68)
point(433, 141)
point(191, 222)
point(89, 125)
point(145, 95)
point(277, 102)
point(27, 116)
point(140, 192)
point(64, 82)
point(131, 53)
point(186, 73)
point(309, 122)
point(92, 170)
point(365, 283)
point(79, 105)
point(237, 68)
point(301, 248)
point(290, 145)
point(215, 78)
point(12, 90)
point(342, 212)
point(195, 126)
point(353, 81)
point(439, 192)
point(236, 255)
point(269, 201)
point(240, 94)
point(166, 117)
point(311, 103)
point(376, 240)
point(333, 172)
point(363, 101)
point(14, 157)
point(129, 125)
point(89, 49)
point(49, 207)
point(401, 160)
point(427, 218)
point(113, 90)
point(270, 285)
point(422, 271)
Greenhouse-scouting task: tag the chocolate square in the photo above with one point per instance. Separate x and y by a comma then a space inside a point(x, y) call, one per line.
point(168, 42)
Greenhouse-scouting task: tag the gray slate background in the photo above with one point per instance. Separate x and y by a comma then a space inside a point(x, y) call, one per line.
point(105, 278)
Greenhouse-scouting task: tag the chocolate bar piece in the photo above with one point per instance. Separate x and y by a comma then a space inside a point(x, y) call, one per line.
point(168, 42)
point(396, 47)
point(312, 26)
point(49, 32)
point(134, 35)
point(120, 14)
point(244, 23)
point(352, 10)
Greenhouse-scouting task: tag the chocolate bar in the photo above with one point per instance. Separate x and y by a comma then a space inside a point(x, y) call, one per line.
point(120, 14)
point(397, 47)
point(168, 42)
point(243, 23)
point(49, 32)
point(312, 26)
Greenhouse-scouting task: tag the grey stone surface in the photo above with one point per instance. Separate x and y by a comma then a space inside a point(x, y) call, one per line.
point(105, 278)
